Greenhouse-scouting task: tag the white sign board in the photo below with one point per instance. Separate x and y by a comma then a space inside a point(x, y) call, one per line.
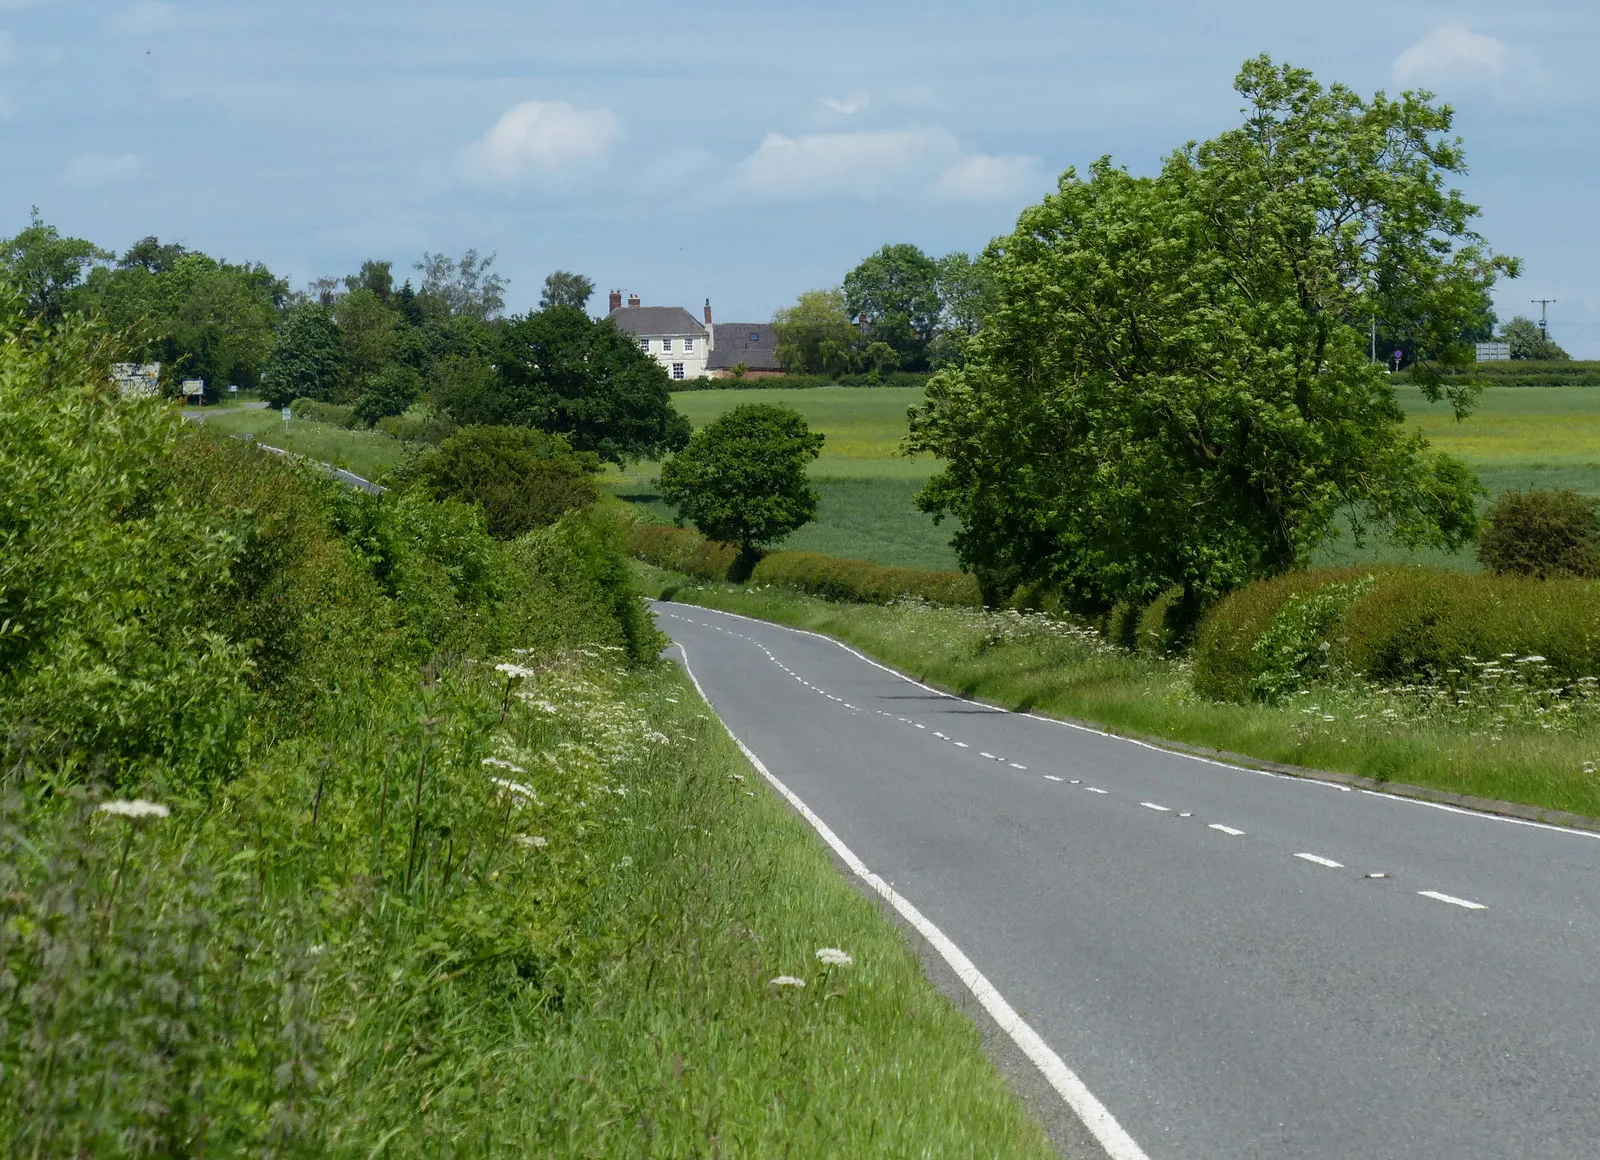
point(1494, 351)
point(137, 380)
point(286, 414)
point(193, 388)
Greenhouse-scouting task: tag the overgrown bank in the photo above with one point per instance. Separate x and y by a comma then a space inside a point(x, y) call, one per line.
point(331, 825)
point(1507, 734)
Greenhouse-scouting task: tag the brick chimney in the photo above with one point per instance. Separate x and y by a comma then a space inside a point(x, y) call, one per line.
point(616, 300)
point(708, 312)
point(633, 300)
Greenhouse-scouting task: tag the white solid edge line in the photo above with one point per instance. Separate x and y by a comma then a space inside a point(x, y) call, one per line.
point(1095, 1115)
point(1321, 861)
point(1488, 817)
point(1452, 900)
point(1153, 806)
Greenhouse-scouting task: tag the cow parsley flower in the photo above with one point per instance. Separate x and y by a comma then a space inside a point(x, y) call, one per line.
point(788, 981)
point(533, 840)
point(137, 808)
point(514, 671)
point(835, 957)
point(501, 764)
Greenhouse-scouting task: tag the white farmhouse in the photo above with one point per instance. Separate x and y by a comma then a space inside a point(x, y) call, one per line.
point(670, 334)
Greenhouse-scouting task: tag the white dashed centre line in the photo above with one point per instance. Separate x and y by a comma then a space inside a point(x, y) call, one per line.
point(1051, 777)
point(1321, 861)
point(1153, 806)
point(990, 756)
point(961, 745)
point(1229, 830)
point(1092, 789)
point(1014, 765)
point(1452, 900)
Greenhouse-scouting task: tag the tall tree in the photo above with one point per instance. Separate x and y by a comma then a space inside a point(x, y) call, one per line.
point(462, 286)
point(1526, 340)
point(897, 291)
point(563, 288)
point(815, 336)
point(562, 372)
point(966, 294)
point(308, 360)
point(1173, 387)
point(45, 266)
point(375, 276)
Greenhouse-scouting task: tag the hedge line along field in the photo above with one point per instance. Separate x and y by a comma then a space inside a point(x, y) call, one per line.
point(1520, 437)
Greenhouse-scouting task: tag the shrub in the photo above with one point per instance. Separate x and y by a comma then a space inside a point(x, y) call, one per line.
point(1542, 533)
point(394, 389)
point(409, 430)
point(520, 478)
point(1166, 625)
point(1121, 626)
point(318, 412)
point(834, 578)
point(1226, 663)
point(681, 550)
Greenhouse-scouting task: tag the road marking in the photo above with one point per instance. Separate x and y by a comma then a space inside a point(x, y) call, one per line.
point(1051, 777)
point(1077, 781)
point(961, 745)
point(1094, 1115)
point(1014, 765)
point(990, 756)
point(1321, 861)
point(921, 726)
point(1092, 789)
point(1452, 900)
point(1153, 806)
point(1229, 830)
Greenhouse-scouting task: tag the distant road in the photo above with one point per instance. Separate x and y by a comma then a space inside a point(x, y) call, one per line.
point(1235, 964)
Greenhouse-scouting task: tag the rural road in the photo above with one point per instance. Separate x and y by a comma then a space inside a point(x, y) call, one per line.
point(1202, 945)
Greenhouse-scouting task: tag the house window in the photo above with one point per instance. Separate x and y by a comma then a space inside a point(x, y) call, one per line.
point(644, 344)
point(666, 345)
point(677, 370)
point(688, 346)
point(755, 336)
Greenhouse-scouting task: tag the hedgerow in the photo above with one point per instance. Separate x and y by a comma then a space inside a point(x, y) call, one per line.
point(857, 580)
point(681, 550)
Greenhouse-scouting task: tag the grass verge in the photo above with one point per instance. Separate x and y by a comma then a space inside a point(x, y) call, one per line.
point(367, 453)
point(1034, 664)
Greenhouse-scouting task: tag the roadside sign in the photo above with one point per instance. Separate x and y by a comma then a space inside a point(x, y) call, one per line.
point(194, 388)
point(286, 416)
point(233, 388)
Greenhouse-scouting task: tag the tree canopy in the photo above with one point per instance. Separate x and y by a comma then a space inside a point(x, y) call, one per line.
point(1526, 340)
point(308, 361)
point(742, 479)
point(562, 372)
point(46, 267)
point(815, 336)
point(897, 290)
point(563, 288)
point(1172, 386)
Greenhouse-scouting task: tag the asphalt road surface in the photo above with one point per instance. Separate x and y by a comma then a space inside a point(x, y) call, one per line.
point(1236, 964)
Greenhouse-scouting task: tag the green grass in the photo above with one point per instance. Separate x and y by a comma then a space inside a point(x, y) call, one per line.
point(1000, 659)
point(367, 453)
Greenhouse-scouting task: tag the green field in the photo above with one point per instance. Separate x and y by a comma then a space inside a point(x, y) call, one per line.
point(1520, 437)
point(367, 453)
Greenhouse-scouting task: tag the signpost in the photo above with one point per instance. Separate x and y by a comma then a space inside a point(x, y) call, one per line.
point(194, 389)
point(1397, 356)
point(1493, 351)
point(286, 420)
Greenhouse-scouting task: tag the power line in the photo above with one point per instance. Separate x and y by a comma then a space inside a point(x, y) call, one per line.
point(1544, 330)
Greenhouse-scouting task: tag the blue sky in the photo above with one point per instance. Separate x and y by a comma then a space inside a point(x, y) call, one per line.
point(738, 151)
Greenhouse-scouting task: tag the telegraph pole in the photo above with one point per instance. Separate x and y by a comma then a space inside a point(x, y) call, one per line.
point(1544, 331)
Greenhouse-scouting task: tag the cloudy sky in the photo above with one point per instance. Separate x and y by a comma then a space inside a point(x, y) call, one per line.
point(737, 151)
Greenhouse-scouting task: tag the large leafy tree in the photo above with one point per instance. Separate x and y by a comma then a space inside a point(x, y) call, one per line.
point(562, 372)
point(564, 288)
point(897, 291)
point(1526, 340)
point(815, 336)
point(742, 479)
point(46, 267)
point(308, 361)
point(1173, 385)
point(464, 286)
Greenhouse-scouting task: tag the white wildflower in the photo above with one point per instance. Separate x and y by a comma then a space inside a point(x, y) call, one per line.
point(533, 840)
point(499, 763)
point(835, 957)
point(788, 981)
point(137, 808)
point(515, 787)
point(627, 860)
point(515, 671)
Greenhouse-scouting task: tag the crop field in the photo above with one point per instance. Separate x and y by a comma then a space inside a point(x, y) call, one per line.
point(1519, 437)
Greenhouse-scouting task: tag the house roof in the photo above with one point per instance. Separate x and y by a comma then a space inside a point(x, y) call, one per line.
point(650, 321)
point(751, 343)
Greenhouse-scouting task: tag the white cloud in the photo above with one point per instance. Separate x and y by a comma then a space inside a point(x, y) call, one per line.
point(1451, 53)
point(94, 170)
point(542, 139)
point(861, 164)
point(847, 106)
point(989, 177)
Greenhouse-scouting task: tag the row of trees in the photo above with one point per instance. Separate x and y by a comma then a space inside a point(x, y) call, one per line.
point(362, 341)
point(898, 310)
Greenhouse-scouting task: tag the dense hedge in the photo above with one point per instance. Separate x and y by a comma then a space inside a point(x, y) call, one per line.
point(1525, 373)
point(1392, 625)
point(792, 382)
point(681, 550)
point(857, 580)
point(330, 413)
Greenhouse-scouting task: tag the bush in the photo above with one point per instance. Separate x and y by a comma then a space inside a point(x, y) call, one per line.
point(394, 389)
point(409, 430)
point(1166, 625)
point(1546, 534)
point(800, 382)
point(521, 479)
point(681, 550)
point(330, 413)
point(834, 578)
point(1522, 373)
point(1121, 625)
